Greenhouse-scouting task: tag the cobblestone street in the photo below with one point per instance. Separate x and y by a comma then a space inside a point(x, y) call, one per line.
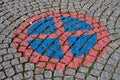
point(59, 39)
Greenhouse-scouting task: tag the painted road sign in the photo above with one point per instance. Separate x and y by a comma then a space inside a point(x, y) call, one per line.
point(58, 39)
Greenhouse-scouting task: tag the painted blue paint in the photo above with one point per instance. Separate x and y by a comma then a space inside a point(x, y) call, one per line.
point(82, 44)
point(45, 26)
point(49, 47)
point(74, 24)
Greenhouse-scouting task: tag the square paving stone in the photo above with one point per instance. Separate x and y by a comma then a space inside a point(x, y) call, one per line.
point(68, 78)
point(18, 76)
point(48, 74)
point(39, 77)
point(28, 74)
point(14, 61)
point(2, 75)
point(9, 71)
point(29, 66)
point(58, 73)
point(80, 75)
point(19, 68)
point(6, 64)
point(70, 71)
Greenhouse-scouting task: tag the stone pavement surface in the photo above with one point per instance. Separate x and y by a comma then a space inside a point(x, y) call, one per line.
point(15, 67)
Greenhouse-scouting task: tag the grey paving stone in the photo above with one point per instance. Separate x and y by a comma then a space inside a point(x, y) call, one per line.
point(112, 62)
point(2, 75)
point(95, 72)
point(18, 76)
point(22, 60)
point(9, 71)
point(9, 79)
point(28, 74)
point(117, 70)
point(80, 75)
point(8, 57)
point(68, 78)
point(116, 76)
point(109, 68)
point(7, 40)
point(58, 73)
point(57, 78)
point(3, 45)
point(106, 75)
point(14, 61)
point(3, 51)
point(6, 64)
point(98, 66)
point(1, 67)
point(91, 78)
point(116, 56)
point(39, 77)
point(19, 68)
point(39, 70)
point(29, 66)
point(48, 74)
point(12, 50)
point(83, 69)
point(1, 59)
point(70, 71)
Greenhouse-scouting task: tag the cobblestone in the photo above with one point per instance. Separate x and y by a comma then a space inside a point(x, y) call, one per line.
point(19, 68)
point(6, 64)
point(8, 57)
point(29, 66)
point(28, 74)
point(22, 67)
point(18, 76)
point(39, 77)
point(14, 61)
point(58, 73)
point(9, 71)
point(48, 74)
point(68, 78)
point(2, 75)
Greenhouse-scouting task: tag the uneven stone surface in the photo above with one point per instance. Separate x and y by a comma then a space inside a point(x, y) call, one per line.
point(16, 67)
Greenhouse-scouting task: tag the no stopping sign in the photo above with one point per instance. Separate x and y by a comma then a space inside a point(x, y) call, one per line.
point(59, 40)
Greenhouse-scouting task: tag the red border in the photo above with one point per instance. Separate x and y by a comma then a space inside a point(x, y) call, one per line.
point(20, 43)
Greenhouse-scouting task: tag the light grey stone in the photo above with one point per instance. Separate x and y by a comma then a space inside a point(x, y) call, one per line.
point(68, 78)
point(112, 62)
point(58, 73)
point(19, 68)
point(116, 76)
point(2, 75)
point(80, 75)
point(70, 71)
point(8, 57)
point(39, 77)
point(48, 74)
point(106, 75)
point(22, 60)
point(14, 61)
point(12, 50)
point(3, 52)
point(98, 66)
point(29, 66)
point(95, 72)
point(1, 59)
point(18, 76)
point(28, 74)
point(6, 64)
point(91, 78)
point(109, 68)
point(9, 71)
point(83, 69)
point(57, 78)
